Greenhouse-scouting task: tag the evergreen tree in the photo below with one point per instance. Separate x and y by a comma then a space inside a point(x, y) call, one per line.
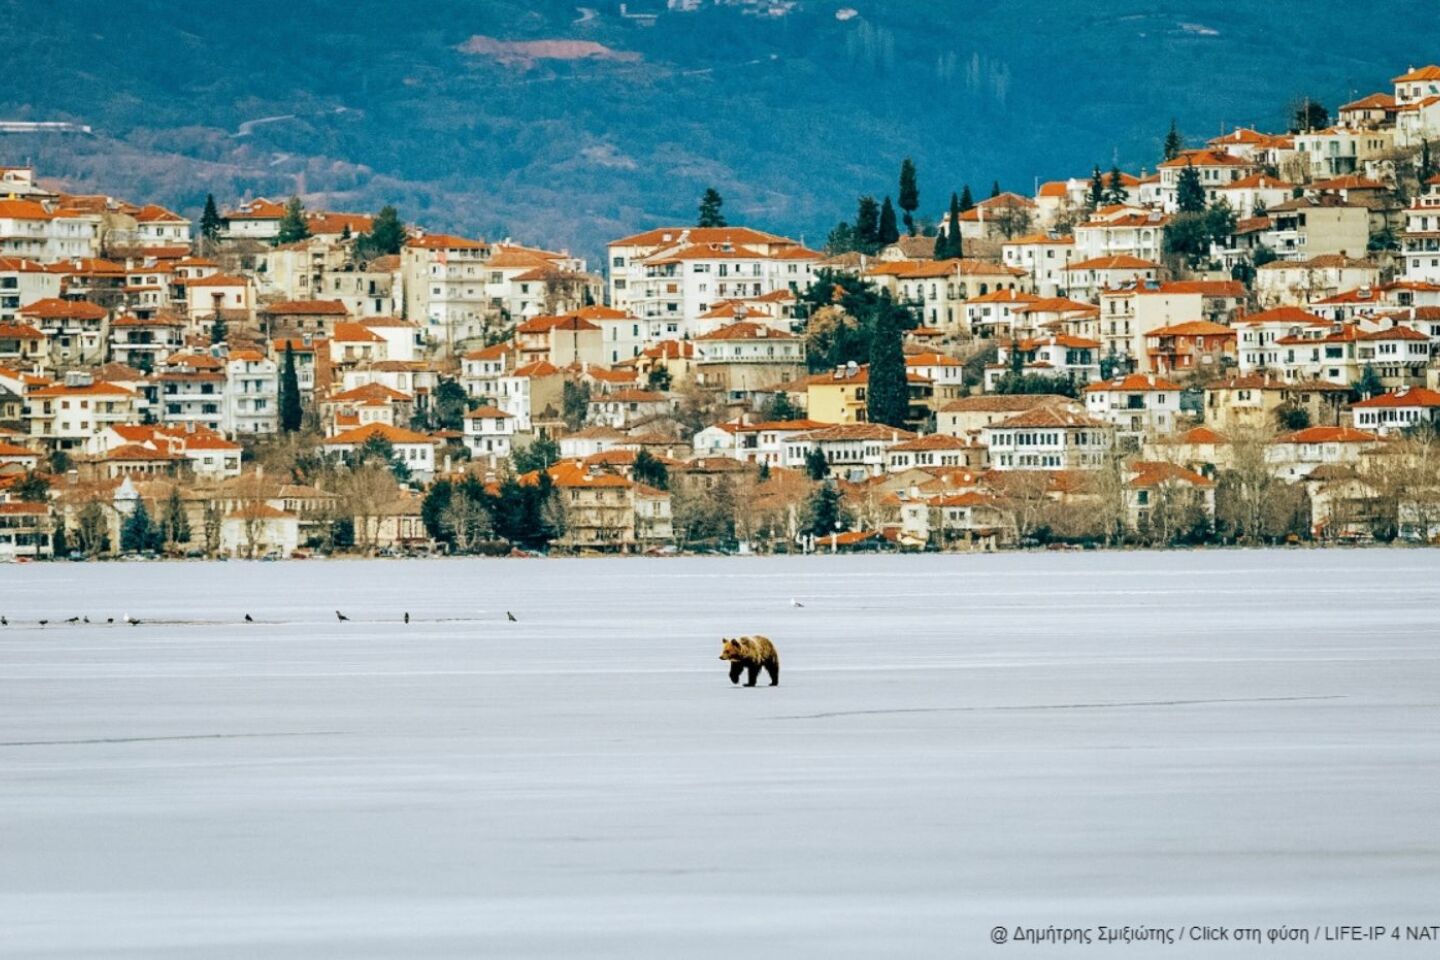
point(1115, 191)
point(219, 329)
point(967, 201)
point(889, 229)
point(650, 471)
point(176, 522)
point(386, 236)
point(948, 245)
point(816, 466)
point(1189, 191)
point(210, 220)
point(291, 412)
point(710, 204)
point(841, 239)
point(888, 393)
point(1095, 199)
point(823, 513)
point(1173, 144)
point(994, 189)
point(31, 488)
point(1310, 115)
point(867, 225)
point(1427, 165)
point(293, 226)
point(59, 543)
point(137, 532)
point(909, 198)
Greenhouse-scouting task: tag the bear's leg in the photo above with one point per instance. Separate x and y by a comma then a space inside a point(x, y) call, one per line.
point(773, 668)
point(736, 668)
point(754, 674)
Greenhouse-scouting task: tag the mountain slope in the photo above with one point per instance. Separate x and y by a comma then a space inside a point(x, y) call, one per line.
point(569, 124)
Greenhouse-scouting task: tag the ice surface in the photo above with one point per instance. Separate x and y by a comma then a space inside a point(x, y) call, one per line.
point(1237, 738)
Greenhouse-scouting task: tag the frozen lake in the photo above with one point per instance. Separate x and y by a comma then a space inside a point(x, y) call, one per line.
point(1223, 738)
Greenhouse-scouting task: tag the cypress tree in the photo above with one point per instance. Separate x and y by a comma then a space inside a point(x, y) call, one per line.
point(888, 397)
point(909, 198)
point(210, 219)
point(967, 201)
point(948, 244)
point(889, 230)
point(291, 413)
point(1173, 143)
point(994, 189)
point(710, 204)
point(219, 329)
point(1427, 165)
point(177, 524)
point(867, 225)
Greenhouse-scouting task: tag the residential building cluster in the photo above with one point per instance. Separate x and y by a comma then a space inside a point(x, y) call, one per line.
point(1069, 376)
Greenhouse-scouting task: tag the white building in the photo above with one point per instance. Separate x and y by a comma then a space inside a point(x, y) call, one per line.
point(252, 394)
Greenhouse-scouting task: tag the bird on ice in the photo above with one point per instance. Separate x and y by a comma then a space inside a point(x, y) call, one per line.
point(73, 620)
point(795, 603)
point(4, 622)
point(249, 619)
point(511, 617)
point(340, 616)
point(133, 621)
point(43, 622)
point(407, 616)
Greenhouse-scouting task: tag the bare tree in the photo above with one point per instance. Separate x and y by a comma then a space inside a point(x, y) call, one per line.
point(364, 492)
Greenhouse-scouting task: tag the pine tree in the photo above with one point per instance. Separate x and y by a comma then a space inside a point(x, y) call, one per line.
point(1189, 192)
point(967, 201)
point(1173, 144)
point(135, 532)
point(291, 412)
point(293, 226)
point(219, 329)
point(909, 198)
point(710, 204)
point(1095, 199)
point(210, 220)
point(1116, 192)
point(889, 230)
point(867, 225)
point(387, 233)
point(888, 397)
point(994, 189)
point(824, 515)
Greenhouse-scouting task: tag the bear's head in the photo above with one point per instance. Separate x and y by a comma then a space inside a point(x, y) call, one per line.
point(731, 649)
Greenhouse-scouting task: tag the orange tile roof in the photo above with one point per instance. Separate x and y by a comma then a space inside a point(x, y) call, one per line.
point(442, 241)
point(747, 330)
point(355, 333)
point(1193, 328)
point(220, 280)
point(731, 235)
point(60, 390)
point(1414, 75)
point(18, 331)
point(1328, 435)
point(1411, 397)
point(1291, 315)
point(1117, 262)
point(359, 435)
point(54, 308)
point(1131, 383)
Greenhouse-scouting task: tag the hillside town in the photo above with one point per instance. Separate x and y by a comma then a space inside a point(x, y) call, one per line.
point(1237, 345)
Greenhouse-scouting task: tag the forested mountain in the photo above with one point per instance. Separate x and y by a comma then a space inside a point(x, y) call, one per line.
point(566, 124)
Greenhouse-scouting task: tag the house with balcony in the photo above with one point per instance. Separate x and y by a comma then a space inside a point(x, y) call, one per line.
point(1138, 405)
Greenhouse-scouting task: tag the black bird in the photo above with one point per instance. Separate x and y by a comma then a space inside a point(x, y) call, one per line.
point(73, 620)
point(249, 619)
point(109, 619)
point(4, 622)
point(85, 619)
point(795, 603)
point(511, 617)
point(407, 616)
point(340, 616)
point(43, 622)
point(133, 621)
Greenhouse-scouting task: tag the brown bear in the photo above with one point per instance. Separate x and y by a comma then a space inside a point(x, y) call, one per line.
point(750, 654)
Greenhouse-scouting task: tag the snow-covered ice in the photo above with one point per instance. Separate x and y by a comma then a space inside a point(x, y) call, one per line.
point(1235, 738)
